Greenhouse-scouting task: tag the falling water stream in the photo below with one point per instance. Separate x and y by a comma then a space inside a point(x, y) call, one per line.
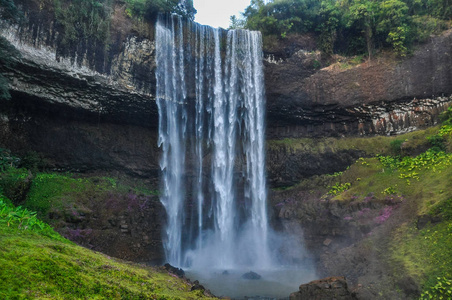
point(211, 101)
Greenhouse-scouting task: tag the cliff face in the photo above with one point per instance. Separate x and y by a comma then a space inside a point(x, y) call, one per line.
point(117, 85)
point(382, 96)
point(74, 104)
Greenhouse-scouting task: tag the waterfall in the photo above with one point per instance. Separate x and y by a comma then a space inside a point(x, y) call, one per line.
point(211, 102)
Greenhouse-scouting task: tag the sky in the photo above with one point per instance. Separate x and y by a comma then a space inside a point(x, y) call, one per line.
point(216, 13)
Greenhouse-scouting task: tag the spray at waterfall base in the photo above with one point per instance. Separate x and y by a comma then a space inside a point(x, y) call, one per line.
point(211, 100)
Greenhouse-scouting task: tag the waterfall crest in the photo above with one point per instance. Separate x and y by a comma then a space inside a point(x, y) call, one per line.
point(211, 101)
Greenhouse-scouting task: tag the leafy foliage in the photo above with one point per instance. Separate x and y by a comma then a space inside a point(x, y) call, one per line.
point(437, 142)
point(427, 254)
point(149, 9)
point(25, 219)
point(339, 188)
point(82, 22)
point(352, 26)
point(441, 290)
point(7, 160)
point(15, 183)
point(445, 131)
point(8, 10)
point(396, 146)
point(392, 190)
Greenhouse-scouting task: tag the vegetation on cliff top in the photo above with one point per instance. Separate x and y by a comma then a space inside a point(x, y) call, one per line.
point(85, 30)
point(351, 26)
point(149, 9)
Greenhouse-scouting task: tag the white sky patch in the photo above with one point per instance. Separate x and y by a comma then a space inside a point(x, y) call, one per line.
point(216, 13)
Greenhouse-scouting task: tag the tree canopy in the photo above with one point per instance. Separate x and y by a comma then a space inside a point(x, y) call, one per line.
point(352, 26)
point(149, 9)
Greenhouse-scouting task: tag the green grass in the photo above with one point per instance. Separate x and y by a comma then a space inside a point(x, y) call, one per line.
point(47, 189)
point(426, 175)
point(51, 192)
point(24, 219)
point(369, 145)
point(424, 182)
point(425, 255)
point(40, 264)
point(421, 184)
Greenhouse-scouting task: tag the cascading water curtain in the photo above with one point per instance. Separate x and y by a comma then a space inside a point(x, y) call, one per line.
point(210, 96)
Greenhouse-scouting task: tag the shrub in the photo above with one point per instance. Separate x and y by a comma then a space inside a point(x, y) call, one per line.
point(149, 9)
point(7, 160)
point(33, 161)
point(15, 184)
point(437, 142)
point(396, 146)
point(25, 219)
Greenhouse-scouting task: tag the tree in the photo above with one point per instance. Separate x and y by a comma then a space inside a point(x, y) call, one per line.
point(393, 24)
point(236, 23)
point(440, 8)
point(328, 24)
point(361, 15)
point(282, 17)
point(8, 10)
point(149, 9)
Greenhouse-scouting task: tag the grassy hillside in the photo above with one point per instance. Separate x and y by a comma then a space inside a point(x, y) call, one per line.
point(37, 263)
point(388, 217)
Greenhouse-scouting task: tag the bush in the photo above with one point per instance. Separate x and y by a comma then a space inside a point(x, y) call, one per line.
point(396, 146)
point(25, 219)
point(149, 9)
point(7, 160)
point(33, 161)
point(437, 142)
point(425, 26)
point(15, 184)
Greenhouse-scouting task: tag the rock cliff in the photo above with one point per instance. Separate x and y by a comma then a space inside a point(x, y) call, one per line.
point(383, 96)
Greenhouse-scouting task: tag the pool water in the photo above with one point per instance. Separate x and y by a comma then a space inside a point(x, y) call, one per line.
point(273, 284)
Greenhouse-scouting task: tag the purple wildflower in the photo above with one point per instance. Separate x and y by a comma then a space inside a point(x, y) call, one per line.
point(384, 215)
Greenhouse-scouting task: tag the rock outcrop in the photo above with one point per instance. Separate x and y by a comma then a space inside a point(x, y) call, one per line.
point(324, 289)
point(126, 226)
